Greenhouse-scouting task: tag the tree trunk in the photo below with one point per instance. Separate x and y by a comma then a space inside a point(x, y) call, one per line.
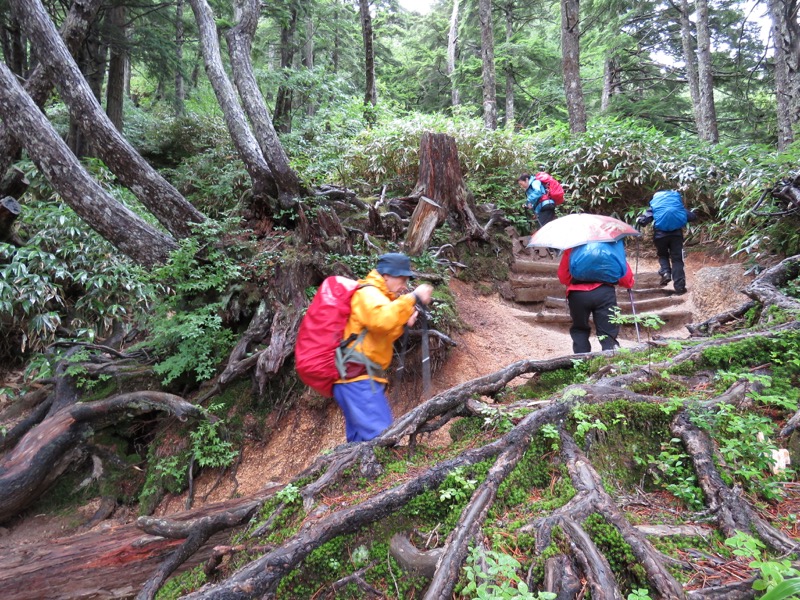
point(370, 89)
point(690, 58)
point(9, 211)
point(452, 54)
point(571, 58)
point(705, 75)
point(509, 67)
point(441, 180)
point(116, 223)
point(14, 47)
point(260, 174)
point(117, 66)
point(487, 64)
point(786, 39)
point(162, 199)
point(611, 82)
point(39, 85)
point(283, 99)
point(240, 40)
point(180, 88)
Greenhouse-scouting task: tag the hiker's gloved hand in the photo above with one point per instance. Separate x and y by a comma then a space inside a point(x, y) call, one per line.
point(640, 220)
point(424, 293)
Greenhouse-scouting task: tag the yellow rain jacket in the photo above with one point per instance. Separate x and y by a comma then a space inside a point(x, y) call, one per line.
point(383, 315)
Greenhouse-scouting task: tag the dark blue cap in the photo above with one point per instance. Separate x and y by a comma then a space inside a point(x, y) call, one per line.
point(394, 263)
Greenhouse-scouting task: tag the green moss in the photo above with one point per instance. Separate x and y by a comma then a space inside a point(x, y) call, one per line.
point(466, 428)
point(534, 470)
point(180, 585)
point(629, 573)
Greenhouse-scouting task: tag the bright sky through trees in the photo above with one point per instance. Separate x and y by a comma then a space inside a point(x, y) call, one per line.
point(420, 6)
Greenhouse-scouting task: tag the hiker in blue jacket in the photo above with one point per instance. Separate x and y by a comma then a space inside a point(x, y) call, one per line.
point(545, 210)
point(669, 216)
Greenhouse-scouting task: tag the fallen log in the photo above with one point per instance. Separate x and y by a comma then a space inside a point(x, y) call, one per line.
point(108, 562)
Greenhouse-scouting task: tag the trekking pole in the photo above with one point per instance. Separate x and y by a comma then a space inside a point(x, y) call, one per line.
point(635, 320)
point(426, 352)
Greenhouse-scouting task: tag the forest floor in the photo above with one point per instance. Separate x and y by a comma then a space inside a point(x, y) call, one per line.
point(492, 338)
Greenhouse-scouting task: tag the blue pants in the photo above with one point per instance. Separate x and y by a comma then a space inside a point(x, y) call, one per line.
point(365, 408)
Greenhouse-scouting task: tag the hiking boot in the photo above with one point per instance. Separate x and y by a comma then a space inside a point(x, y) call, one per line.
point(665, 279)
point(680, 291)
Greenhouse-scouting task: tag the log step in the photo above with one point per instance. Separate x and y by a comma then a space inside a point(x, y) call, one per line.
point(671, 318)
point(642, 304)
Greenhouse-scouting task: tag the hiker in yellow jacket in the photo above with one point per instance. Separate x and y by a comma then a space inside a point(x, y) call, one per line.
point(379, 313)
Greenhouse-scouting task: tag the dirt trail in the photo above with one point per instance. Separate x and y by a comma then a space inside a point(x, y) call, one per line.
point(494, 338)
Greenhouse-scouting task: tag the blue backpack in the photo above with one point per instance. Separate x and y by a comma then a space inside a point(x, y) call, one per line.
point(668, 211)
point(601, 262)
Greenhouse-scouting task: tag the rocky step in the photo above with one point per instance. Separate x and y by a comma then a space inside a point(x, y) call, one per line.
point(642, 304)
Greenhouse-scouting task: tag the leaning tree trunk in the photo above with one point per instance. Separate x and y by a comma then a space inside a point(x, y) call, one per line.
point(39, 85)
point(159, 196)
point(441, 180)
point(571, 58)
point(116, 223)
point(487, 62)
point(260, 174)
point(240, 40)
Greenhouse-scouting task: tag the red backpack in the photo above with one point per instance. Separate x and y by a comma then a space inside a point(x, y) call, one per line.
point(321, 332)
point(553, 188)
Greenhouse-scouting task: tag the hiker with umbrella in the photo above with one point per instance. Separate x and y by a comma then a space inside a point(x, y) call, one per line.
point(592, 263)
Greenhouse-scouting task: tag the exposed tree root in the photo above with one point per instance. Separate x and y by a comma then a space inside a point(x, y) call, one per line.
point(49, 448)
point(732, 510)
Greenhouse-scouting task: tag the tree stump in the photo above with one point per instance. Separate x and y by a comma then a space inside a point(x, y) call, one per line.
point(441, 178)
point(426, 218)
point(9, 211)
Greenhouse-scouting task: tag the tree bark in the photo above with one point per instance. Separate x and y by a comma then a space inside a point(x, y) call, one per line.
point(39, 85)
point(240, 40)
point(452, 55)
point(427, 216)
point(9, 211)
point(370, 89)
point(509, 67)
point(48, 449)
point(115, 562)
point(441, 180)
point(690, 59)
point(571, 59)
point(117, 66)
point(487, 64)
point(786, 40)
point(611, 82)
point(116, 223)
point(283, 99)
point(180, 81)
point(705, 75)
point(162, 199)
point(246, 144)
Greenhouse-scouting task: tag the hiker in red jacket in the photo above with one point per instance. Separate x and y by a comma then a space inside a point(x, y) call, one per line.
point(593, 298)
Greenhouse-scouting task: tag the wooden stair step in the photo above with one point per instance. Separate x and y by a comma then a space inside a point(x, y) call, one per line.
point(671, 318)
point(642, 304)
